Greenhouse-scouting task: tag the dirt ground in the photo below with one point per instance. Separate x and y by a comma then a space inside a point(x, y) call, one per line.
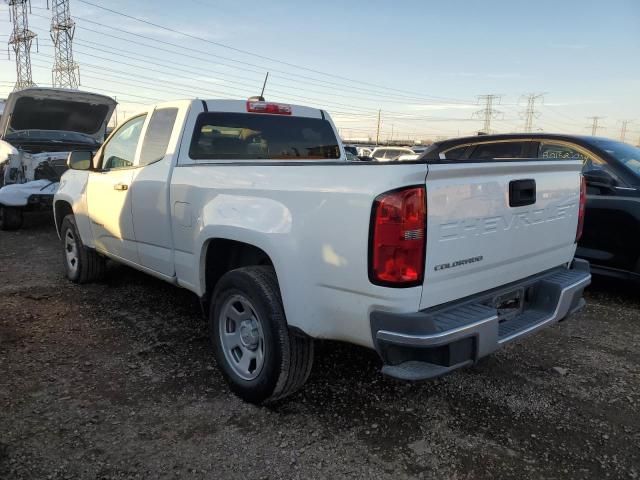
point(116, 380)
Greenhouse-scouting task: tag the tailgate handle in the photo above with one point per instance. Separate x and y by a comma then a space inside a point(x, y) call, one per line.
point(522, 192)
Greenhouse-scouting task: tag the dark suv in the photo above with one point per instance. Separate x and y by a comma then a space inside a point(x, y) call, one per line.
point(611, 238)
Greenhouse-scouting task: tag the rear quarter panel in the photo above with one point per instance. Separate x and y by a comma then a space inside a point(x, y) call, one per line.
point(312, 221)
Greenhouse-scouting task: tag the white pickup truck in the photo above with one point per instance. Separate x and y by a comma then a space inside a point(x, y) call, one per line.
point(253, 206)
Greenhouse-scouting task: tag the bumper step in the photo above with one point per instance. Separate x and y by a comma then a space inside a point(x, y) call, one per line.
point(435, 341)
point(414, 371)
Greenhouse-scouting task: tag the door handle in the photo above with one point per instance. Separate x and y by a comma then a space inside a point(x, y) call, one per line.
point(121, 187)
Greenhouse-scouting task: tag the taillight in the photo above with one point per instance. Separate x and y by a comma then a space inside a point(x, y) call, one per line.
point(268, 107)
point(397, 244)
point(582, 206)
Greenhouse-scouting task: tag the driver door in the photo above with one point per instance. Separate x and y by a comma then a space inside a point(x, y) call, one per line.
point(108, 194)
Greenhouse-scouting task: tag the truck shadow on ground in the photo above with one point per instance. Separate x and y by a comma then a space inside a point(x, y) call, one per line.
point(603, 289)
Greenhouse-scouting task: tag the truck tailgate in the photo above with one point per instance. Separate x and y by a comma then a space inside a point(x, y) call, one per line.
point(486, 227)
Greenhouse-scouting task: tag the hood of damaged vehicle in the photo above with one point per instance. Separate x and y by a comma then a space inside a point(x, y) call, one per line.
point(64, 113)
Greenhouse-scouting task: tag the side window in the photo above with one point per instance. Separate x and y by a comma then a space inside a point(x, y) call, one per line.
point(560, 151)
point(488, 151)
point(120, 150)
point(156, 139)
point(455, 153)
point(380, 154)
point(392, 154)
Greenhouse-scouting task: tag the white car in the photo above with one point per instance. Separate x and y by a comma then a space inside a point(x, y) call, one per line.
point(253, 207)
point(388, 154)
point(39, 127)
point(364, 151)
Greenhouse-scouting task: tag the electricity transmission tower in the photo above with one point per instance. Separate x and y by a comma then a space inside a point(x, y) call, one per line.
point(65, 72)
point(20, 40)
point(623, 129)
point(488, 113)
point(530, 112)
point(595, 125)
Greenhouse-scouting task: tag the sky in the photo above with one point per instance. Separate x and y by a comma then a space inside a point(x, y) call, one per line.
point(422, 64)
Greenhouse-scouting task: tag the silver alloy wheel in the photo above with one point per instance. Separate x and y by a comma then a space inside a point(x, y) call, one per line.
point(71, 251)
point(242, 337)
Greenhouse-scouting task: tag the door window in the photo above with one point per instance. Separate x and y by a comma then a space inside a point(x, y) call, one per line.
point(489, 151)
point(561, 151)
point(455, 153)
point(120, 150)
point(156, 139)
point(378, 154)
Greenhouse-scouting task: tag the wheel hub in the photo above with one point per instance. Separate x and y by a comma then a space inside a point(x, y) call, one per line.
point(71, 251)
point(242, 337)
point(249, 334)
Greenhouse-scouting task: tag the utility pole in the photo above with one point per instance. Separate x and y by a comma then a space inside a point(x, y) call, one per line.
point(20, 40)
point(594, 125)
point(530, 112)
point(65, 72)
point(623, 129)
point(378, 130)
point(488, 113)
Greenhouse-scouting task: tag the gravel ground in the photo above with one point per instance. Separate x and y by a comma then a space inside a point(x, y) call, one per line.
point(116, 380)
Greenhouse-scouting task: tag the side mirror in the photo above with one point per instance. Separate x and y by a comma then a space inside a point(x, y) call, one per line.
point(599, 178)
point(79, 160)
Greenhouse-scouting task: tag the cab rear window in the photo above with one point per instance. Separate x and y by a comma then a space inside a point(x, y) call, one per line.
point(247, 136)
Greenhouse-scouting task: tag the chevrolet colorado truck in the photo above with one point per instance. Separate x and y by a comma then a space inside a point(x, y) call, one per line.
point(253, 206)
point(38, 129)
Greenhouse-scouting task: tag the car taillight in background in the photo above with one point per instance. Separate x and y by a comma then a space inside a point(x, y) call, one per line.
point(398, 236)
point(582, 205)
point(268, 107)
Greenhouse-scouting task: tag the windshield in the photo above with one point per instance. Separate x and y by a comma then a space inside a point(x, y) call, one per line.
point(55, 114)
point(53, 136)
point(626, 154)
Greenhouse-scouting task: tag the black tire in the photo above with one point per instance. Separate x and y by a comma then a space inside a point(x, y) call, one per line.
point(89, 265)
point(288, 355)
point(11, 218)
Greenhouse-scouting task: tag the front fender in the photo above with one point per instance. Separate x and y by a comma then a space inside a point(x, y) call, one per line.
point(73, 190)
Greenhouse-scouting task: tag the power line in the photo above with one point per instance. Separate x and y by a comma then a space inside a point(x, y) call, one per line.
point(286, 75)
point(595, 125)
point(65, 72)
point(172, 69)
point(21, 39)
point(488, 113)
point(256, 55)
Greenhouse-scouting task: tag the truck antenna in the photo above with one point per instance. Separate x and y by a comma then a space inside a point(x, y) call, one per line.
point(264, 84)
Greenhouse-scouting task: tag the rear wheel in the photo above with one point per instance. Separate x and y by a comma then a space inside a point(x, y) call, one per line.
point(261, 359)
point(81, 264)
point(11, 218)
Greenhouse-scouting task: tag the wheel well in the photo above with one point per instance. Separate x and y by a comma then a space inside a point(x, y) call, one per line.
point(61, 209)
point(223, 255)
